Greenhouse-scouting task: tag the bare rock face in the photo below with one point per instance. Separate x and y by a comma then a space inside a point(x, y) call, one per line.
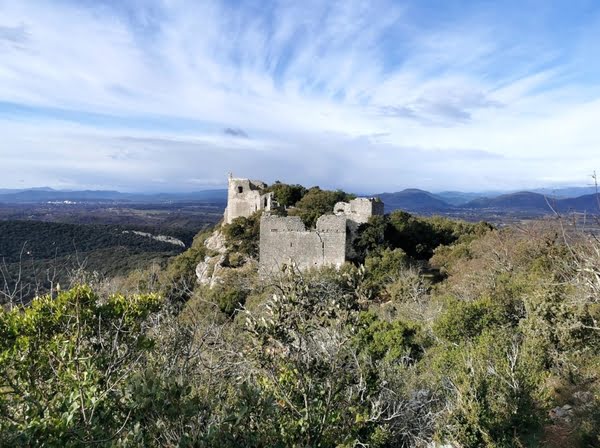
point(216, 242)
point(209, 271)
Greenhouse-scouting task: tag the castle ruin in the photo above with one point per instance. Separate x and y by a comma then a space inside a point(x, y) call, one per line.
point(245, 197)
point(285, 239)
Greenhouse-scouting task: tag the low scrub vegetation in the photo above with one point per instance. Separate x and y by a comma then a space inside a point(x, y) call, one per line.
point(443, 333)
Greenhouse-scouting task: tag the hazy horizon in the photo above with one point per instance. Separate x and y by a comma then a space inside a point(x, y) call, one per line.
point(367, 96)
point(224, 188)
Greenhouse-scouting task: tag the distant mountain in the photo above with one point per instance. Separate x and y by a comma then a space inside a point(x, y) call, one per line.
point(588, 203)
point(522, 200)
point(219, 195)
point(40, 195)
point(460, 198)
point(19, 190)
point(536, 202)
point(565, 192)
point(420, 201)
point(413, 199)
point(45, 195)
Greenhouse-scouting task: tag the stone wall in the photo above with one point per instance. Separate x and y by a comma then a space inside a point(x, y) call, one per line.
point(285, 240)
point(359, 210)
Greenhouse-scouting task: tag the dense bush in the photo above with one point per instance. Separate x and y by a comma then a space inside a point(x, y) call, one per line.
point(243, 235)
point(66, 366)
point(385, 265)
point(228, 298)
point(317, 202)
point(416, 236)
point(494, 391)
point(463, 321)
point(286, 195)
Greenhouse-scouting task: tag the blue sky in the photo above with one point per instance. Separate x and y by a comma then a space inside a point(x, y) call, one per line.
point(149, 95)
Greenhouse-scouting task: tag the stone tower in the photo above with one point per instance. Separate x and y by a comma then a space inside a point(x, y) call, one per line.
point(244, 197)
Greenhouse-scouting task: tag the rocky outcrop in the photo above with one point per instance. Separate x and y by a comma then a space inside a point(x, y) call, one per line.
point(216, 242)
point(161, 238)
point(208, 272)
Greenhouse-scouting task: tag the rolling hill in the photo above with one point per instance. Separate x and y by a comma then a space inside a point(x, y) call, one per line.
point(587, 203)
point(536, 202)
point(413, 199)
point(523, 200)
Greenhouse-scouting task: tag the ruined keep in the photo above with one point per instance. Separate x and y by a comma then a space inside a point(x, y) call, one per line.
point(285, 240)
point(245, 197)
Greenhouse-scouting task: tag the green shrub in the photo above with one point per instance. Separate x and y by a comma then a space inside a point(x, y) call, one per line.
point(243, 235)
point(494, 390)
point(229, 298)
point(65, 366)
point(286, 195)
point(317, 202)
point(417, 236)
point(384, 266)
point(466, 320)
point(392, 341)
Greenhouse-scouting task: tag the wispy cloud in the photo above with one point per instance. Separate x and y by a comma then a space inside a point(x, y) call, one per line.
point(119, 93)
point(13, 34)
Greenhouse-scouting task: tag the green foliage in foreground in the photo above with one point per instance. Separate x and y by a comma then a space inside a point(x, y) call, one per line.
point(66, 367)
point(503, 352)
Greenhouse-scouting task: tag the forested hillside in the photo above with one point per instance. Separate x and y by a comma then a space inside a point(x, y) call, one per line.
point(34, 255)
point(47, 240)
point(440, 333)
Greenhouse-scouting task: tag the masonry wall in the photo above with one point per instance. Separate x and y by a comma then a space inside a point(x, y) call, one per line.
point(245, 197)
point(359, 210)
point(284, 240)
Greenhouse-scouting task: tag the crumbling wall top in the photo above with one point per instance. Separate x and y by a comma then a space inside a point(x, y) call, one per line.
point(331, 223)
point(281, 223)
point(359, 209)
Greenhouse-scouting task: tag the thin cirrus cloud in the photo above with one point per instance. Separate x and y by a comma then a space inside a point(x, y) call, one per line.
point(369, 96)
